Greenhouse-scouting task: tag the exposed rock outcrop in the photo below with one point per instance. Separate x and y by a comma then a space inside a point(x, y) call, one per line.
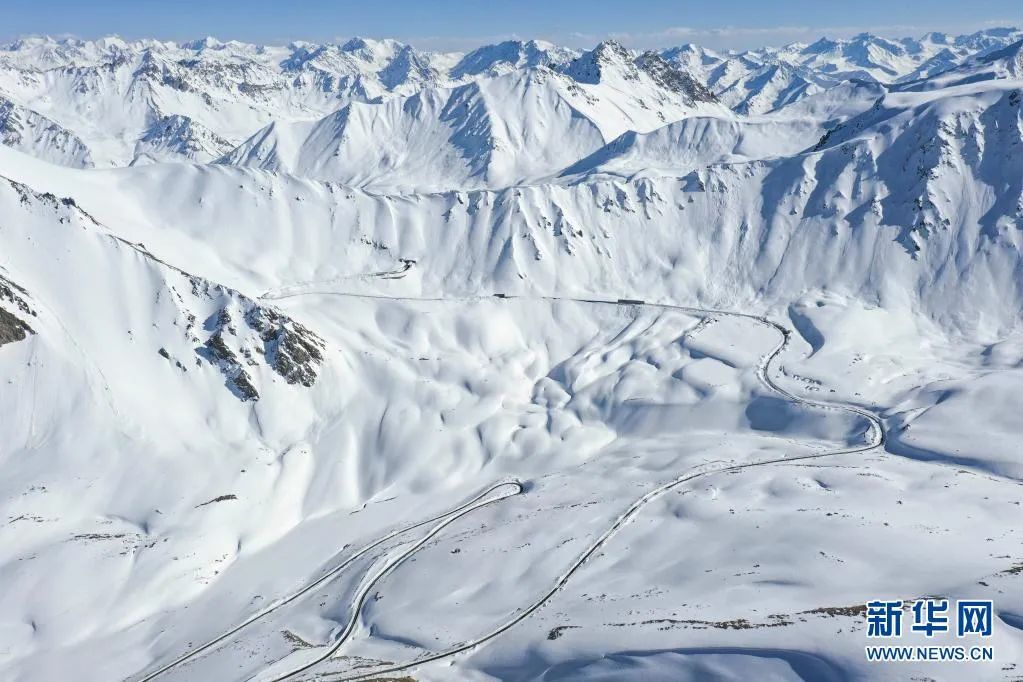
point(12, 327)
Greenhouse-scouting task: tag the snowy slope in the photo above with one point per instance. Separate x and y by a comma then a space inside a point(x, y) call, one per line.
point(694, 144)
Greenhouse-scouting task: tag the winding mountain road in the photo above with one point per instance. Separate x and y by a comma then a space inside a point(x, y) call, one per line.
point(874, 438)
point(484, 498)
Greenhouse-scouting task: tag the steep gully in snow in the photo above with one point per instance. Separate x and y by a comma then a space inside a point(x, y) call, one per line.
point(875, 438)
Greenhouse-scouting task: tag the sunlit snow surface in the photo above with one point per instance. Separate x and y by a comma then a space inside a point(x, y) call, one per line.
point(262, 426)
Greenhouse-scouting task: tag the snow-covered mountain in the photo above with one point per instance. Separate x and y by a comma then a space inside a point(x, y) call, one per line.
point(524, 364)
point(27, 131)
point(175, 137)
point(117, 96)
point(770, 87)
point(120, 102)
point(510, 55)
point(762, 80)
point(496, 132)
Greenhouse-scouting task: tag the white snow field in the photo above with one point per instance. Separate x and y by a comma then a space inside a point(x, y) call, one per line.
point(339, 362)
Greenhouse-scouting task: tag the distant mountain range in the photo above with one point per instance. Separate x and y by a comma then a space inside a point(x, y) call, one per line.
point(111, 102)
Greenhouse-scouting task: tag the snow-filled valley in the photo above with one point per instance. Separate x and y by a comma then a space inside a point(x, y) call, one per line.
point(351, 361)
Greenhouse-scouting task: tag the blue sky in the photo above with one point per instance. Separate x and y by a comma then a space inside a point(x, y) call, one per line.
point(462, 24)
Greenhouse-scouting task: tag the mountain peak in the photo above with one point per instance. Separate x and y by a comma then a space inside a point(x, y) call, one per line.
point(207, 43)
point(936, 37)
point(408, 66)
point(354, 44)
point(510, 54)
point(820, 46)
point(607, 57)
point(611, 51)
